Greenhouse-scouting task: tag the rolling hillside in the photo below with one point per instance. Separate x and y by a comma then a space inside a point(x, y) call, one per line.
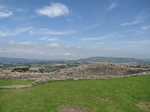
point(115, 59)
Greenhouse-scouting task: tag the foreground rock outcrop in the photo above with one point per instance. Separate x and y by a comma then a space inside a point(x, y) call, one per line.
point(92, 71)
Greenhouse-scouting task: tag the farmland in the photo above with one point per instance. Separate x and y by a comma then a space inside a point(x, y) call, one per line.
point(43, 66)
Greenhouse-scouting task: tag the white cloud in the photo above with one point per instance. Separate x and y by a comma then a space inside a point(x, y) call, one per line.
point(56, 51)
point(54, 10)
point(43, 38)
point(45, 31)
point(27, 43)
point(31, 16)
point(137, 21)
point(7, 33)
point(91, 38)
point(52, 32)
point(20, 30)
point(140, 42)
point(67, 54)
point(15, 32)
point(146, 27)
point(100, 38)
point(2, 7)
point(89, 27)
point(52, 39)
point(21, 43)
point(12, 42)
point(20, 52)
point(5, 14)
point(112, 6)
point(49, 39)
point(53, 45)
point(18, 10)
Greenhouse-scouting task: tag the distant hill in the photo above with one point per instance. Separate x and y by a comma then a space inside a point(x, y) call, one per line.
point(17, 60)
point(115, 59)
point(95, 59)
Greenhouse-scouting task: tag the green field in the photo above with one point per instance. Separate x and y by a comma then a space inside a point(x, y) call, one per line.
point(129, 94)
point(9, 82)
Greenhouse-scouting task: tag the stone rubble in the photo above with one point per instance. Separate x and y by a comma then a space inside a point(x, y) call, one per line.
point(92, 71)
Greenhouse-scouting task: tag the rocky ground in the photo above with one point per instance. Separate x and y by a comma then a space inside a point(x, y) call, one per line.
point(92, 71)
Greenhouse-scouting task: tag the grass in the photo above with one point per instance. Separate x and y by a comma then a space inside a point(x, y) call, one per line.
point(8, 82)
point(129, 94)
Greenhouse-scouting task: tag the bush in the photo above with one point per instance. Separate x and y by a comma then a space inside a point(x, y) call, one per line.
point(20, 69)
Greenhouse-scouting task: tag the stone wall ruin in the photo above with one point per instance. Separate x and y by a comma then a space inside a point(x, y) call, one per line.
point(92, 71)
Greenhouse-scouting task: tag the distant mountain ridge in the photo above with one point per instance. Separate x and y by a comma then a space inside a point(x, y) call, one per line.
point(114, 59)
point(95, 59)
point(17, 60)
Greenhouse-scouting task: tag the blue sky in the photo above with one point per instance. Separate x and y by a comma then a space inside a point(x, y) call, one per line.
point(74, 29)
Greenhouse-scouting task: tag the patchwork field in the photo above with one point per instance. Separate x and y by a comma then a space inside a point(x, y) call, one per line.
point(128, 94)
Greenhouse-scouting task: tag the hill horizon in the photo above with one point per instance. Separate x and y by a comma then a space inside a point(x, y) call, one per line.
point(96, 58)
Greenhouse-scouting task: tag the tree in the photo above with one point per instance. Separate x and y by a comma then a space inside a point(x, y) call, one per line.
point(20, 69)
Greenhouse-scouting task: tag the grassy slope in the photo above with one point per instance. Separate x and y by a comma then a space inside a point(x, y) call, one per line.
point(104, 95)
point(8, 82)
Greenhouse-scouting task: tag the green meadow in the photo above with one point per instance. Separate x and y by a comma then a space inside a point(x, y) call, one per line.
point(9, 82)
point(128, 94)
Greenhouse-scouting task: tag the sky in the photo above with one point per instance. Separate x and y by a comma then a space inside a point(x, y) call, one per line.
point(74, 29)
